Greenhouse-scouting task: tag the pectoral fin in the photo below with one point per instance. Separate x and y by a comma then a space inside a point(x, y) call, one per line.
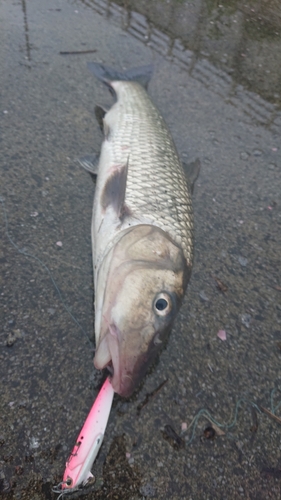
point(100, 113)
point(115, 189)
point(192, 171)
point(90, 163)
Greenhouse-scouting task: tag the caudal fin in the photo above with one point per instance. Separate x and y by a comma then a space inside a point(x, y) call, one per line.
point(107, 75)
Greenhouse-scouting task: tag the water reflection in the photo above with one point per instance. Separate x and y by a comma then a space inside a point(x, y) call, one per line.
point(231, 47)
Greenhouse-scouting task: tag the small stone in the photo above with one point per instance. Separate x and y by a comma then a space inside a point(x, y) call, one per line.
point(257, 152)
point(147, 490)
point(203, 296)
point(34, 443)
point(246, 320)
point(222, 334)
point(244, 156)
point(11, 339)
point(19, 470)
point(17, 333)
point(242, 261)
point(239, 445)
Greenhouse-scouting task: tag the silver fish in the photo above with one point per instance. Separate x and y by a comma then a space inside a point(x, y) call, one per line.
point(142, 230)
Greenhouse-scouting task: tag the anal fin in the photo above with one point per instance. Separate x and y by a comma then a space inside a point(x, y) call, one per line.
point(192, 171)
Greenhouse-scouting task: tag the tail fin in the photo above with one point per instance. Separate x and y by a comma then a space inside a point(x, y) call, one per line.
point(107, 75)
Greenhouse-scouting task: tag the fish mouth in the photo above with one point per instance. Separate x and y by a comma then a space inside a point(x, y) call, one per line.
point(108, 356)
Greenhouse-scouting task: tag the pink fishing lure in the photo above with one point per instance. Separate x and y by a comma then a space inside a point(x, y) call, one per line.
point(88, 443)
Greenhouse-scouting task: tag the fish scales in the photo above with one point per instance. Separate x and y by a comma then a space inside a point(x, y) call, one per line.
point(156, 186)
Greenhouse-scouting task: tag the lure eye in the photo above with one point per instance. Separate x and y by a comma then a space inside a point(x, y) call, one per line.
point(69, 482)
point(163, 304)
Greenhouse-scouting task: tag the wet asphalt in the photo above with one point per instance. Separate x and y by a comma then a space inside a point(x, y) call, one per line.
point(217, 84)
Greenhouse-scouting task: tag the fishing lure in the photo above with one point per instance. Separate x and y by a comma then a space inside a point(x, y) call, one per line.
point(78, 466)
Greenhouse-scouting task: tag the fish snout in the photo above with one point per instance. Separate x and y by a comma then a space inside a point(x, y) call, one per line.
point(126, 357)
point(131, 371)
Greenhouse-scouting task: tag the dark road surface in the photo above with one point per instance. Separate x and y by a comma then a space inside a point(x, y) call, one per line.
point(217, 82)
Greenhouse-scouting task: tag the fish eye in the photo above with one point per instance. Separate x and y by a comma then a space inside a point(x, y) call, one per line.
point(162, 304)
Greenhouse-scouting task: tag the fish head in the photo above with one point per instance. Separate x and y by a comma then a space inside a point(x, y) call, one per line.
point(145, 283)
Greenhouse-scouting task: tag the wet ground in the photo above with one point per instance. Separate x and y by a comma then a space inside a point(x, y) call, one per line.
point(217, 81)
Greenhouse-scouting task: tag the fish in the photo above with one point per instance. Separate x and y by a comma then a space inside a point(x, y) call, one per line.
point(142, 229)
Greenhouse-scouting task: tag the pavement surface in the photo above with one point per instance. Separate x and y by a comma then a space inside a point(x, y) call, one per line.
point(217, 83)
